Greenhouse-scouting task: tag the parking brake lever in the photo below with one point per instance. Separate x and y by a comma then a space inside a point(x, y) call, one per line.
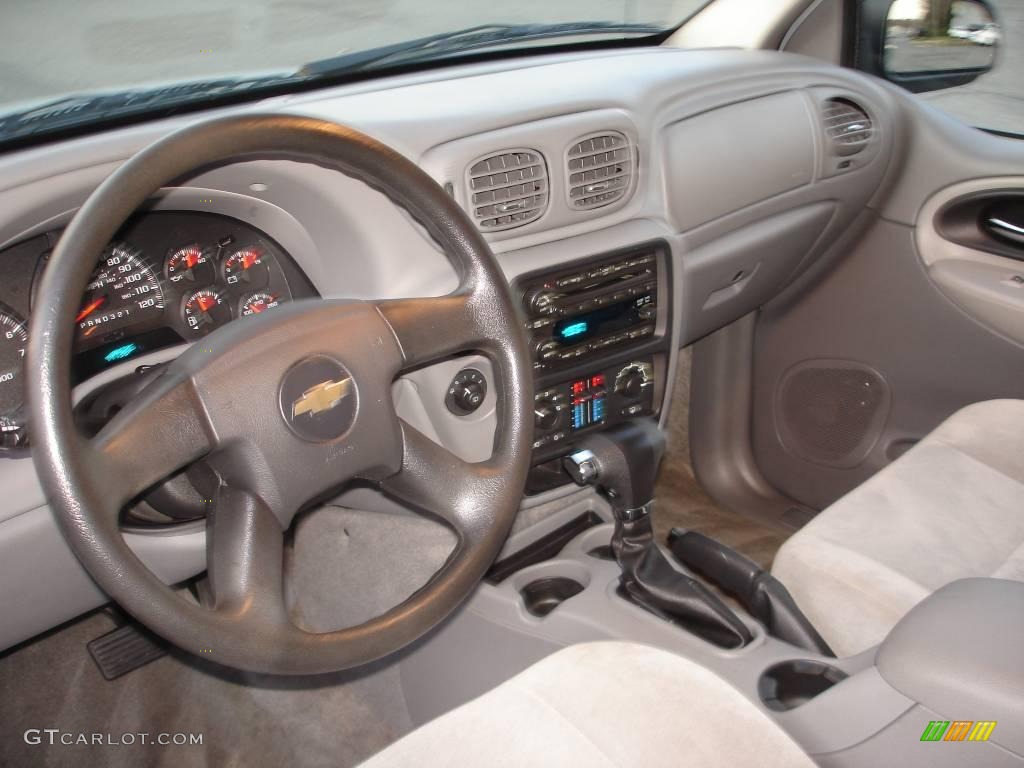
point(623, 462)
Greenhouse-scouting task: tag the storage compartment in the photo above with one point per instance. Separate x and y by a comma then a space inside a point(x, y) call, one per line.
point(787, 685)
point(732, 275)
point(542, 596)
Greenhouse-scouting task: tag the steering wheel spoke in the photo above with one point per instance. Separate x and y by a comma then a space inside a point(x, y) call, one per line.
point(162, 430)
point(245, 559)
point(439, 482)
point(432, 328)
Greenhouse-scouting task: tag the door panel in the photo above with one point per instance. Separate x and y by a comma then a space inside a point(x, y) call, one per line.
point(971, 240)
point(878, 311)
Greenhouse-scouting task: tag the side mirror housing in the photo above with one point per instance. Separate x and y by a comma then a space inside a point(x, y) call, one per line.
point(927, 45)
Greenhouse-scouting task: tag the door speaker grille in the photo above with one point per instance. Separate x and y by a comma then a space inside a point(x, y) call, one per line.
point(831, 412)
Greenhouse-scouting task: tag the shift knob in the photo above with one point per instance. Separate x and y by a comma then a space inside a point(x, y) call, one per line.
point(622, 460)
point(582, 467)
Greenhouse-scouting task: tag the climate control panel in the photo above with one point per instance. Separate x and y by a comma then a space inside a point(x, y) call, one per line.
point(598, 399)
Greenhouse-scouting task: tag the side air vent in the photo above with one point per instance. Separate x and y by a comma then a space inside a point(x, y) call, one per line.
point(847, 126)
point(508, 189)
point(601, 169)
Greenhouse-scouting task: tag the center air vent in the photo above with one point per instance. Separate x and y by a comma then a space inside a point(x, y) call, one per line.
point(601, 170)
point(508, 189)
point(847, 125)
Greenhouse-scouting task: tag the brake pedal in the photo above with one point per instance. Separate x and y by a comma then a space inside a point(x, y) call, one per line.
point(124, 650)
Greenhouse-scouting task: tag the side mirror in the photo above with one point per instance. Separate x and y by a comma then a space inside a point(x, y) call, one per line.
point(933, 44)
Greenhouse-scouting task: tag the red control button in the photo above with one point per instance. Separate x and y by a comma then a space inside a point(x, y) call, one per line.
point(597, 381)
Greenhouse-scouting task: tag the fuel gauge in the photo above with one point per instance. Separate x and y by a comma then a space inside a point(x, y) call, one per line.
point(205, 310)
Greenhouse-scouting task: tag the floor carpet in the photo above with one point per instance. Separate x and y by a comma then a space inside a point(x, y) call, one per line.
point(682, 503)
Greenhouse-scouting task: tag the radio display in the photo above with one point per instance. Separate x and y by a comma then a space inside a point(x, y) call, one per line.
point(599, 321)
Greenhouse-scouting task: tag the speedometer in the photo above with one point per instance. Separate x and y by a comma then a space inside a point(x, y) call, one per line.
point(123, 291)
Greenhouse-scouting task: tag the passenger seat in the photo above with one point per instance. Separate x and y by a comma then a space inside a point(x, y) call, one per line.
point(950, 508)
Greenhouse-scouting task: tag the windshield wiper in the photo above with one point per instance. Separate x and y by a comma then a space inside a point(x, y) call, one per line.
point(466, 40)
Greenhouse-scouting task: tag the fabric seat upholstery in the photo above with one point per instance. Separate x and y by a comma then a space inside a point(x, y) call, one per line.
point(602, 705)
point(951, 507)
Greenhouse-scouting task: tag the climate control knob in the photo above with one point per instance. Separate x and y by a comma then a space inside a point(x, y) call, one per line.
point(546, 416)
point(632, 380)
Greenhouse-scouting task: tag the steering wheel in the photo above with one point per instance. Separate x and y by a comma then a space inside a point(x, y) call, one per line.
point(316, 412)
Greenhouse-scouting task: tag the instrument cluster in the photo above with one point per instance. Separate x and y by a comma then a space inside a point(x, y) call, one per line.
point(169, 277)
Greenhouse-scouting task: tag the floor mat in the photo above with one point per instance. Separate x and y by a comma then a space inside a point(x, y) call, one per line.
point(682, 503)
point(244, 720)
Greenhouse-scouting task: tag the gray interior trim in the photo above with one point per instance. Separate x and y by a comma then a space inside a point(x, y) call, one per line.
point(979, 282)
point(854, 710)
point(958, 652)
point(720, 407)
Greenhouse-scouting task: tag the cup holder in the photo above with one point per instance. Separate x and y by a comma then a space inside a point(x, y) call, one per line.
point(786, 686)
point(542, 596)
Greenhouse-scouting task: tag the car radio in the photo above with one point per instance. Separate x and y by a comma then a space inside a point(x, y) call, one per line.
point(599, 337)
point(584, 312)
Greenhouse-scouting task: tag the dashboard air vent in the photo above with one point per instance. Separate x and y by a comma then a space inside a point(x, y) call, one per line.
point(508, 189)
point(601, 170)
point(847, 125)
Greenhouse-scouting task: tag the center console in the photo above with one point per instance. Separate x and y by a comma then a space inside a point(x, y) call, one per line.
point(599, 333)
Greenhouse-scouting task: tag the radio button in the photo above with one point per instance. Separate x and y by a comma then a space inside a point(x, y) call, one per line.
point(570, 280)
point(541, 301)
point(547, 350)
point(644, 330)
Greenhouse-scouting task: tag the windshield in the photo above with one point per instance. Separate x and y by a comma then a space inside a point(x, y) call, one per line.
point(59, 48)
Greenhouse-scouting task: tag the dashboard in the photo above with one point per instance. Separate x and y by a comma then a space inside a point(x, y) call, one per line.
point(168, 278)
point(636, 200)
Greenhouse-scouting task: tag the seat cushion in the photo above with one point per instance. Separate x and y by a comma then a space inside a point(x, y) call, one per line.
point(602, 704)
point(952, 507)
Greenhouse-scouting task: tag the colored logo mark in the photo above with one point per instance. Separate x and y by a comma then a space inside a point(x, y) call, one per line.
point(958, 730)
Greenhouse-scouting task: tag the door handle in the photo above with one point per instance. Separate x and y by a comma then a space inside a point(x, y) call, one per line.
point(1006, 230)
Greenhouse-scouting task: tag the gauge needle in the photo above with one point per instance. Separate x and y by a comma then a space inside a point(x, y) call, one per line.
point(260, 306)
point(205, 302)
point(89, 308)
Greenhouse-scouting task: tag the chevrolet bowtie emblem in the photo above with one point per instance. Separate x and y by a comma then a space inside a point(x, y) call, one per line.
point(323, 397)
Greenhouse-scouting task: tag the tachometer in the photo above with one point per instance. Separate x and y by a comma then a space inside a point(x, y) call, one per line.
point(13, 341)
point(123, 291)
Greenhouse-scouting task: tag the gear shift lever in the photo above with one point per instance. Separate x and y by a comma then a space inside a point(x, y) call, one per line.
point(623, 462)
